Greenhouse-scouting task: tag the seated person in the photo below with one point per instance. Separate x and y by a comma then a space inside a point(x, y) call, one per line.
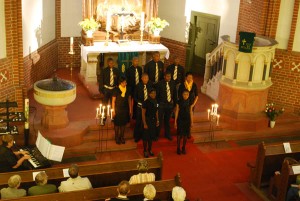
point(75, 182)
point(11, 160)
point(12, 191)
point(143, 176)
point(123, 190)
point(178, 193)
point(149, 193)
point(41, 185)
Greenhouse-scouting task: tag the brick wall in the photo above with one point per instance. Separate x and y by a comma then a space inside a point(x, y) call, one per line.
point(285, 90)
point(11, 67)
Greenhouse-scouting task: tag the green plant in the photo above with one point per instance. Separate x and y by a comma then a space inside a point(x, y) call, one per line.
point(272, 112)
point(157, 23)
point(89, 24)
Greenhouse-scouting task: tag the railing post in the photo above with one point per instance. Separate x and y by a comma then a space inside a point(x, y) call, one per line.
point(251, 75)
point(235, 72)
point(206, 73)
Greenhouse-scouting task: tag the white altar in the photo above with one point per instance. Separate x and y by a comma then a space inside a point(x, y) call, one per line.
point(89, 55)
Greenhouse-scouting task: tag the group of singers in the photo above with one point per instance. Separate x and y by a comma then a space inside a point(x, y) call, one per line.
point(150, 96)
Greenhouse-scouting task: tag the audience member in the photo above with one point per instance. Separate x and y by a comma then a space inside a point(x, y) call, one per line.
point(143, 176)
point(166, 98)
point(122, 110)
point(178, 193)
point(75, 182)
point(12, 191)
point(123, 190)
point(42, 187)
point(183, 120)
point(140, 95)
point(155, 68)
point(11, 160)
point(150, 122)
point(149, 193)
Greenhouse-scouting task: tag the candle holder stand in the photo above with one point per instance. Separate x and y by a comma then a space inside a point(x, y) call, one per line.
point(71, 53)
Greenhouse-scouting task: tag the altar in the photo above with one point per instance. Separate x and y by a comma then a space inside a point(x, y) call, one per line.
point(90, 55)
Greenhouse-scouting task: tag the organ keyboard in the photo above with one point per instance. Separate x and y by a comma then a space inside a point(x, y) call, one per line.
point(37, 160)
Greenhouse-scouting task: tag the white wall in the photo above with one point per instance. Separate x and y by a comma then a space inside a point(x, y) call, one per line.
point(296, 45)
point(71, 14)
point(178, 13)
point(38, 18)
point(284, 23)
point(2, 31)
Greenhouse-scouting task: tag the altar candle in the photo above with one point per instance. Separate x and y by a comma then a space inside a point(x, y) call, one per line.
point(71, 44)
point(102, 115)
point(142, 20)
point(108, 21)
point(108, 110)
point(208, 111)
point(122, 22)
point(218, 116)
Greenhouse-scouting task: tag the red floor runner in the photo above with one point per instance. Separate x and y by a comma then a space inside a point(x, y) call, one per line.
point(209, 176)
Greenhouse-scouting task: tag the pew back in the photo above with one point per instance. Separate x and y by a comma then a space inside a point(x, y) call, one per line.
point(163, 192)
point(269, 159)
point(100, 174)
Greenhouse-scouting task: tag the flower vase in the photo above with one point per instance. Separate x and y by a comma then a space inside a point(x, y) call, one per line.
point(89, 34)
point(272, 124)
point(156, 32)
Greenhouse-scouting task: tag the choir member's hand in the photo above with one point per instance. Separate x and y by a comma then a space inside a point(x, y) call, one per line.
point(175, 125)
point(145, 126)
point(157, 123)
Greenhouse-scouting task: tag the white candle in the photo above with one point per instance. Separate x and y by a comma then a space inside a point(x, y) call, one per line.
point(102, 115)
point(208, 111)
point(108, 21)
point(122, 22)
point(142, 21)
point(103, 109)
point(108, 110)
point(71, 44)
point(212, 108)
point(218, 116)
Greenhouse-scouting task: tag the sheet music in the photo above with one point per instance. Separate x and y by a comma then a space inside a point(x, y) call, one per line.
point(34, 174)
point(56, 153)
point(296, 169)
point(66, 172)
point(287, 147)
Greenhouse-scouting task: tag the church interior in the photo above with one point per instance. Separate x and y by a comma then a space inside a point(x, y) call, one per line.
point(246, 121)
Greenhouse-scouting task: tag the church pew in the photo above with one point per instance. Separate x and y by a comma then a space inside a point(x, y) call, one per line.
point(268, 160)
point(163, 192)
point(280, 183)
point(100, 174)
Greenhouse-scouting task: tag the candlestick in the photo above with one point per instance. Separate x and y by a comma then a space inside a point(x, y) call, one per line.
point(103, 110)
point(208, 113)
point(108, 22)
point(108, 110)
point(216, 109)
point(142, 21)
point(122, 23)
point(102, 115)
point(71, 44)
point(100, 108)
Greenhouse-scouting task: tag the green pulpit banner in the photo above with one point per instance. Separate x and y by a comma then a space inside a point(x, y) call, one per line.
point(246, 41)
point(124, 60)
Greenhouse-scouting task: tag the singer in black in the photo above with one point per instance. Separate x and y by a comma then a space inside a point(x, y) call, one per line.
point(109, 77)
point(11, 160)
point(121, 109)
point(155, 68)
point(166, 98)
point(150, 122)
point(133, 77)
point(140, 95)
point(177, 71)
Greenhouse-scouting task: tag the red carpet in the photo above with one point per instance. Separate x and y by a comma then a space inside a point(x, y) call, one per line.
point(210, 176)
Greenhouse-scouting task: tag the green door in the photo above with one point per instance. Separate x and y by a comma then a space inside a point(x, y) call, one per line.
point(205, 39)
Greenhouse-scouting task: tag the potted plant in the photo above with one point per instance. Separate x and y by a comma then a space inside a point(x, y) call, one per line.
point(156, 25)
point(89, 26)
point(272, 113)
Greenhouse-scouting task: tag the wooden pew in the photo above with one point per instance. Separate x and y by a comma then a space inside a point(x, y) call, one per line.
point(268, 160)
point(280, 183)
point(100, 174)
point(163, 192)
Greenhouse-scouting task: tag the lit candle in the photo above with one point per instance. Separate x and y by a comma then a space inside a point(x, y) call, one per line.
point(103, 110)
point(142, 21)
point(212, 108)
point(122, 22)
point(108, 110)
point(208, 111)
point(71, 44)
point(218, 116)
point(108, 21)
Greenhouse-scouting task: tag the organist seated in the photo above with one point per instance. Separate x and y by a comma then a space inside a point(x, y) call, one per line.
point(11, 160)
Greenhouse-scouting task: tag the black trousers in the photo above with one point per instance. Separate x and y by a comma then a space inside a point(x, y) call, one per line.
point(164, 114)
point(139, 127)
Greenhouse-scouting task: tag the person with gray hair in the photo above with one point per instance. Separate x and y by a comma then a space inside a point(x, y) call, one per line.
point(149, 193)
point(143, 176)
point(42, 187)
point(123, 190)
point(178, 193)
point(75, 182)
point(12, 191)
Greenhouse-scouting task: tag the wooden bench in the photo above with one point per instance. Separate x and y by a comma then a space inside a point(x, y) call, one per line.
point(100, 174)
point(163, 192)
point(280, 183)
point(268, 160)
